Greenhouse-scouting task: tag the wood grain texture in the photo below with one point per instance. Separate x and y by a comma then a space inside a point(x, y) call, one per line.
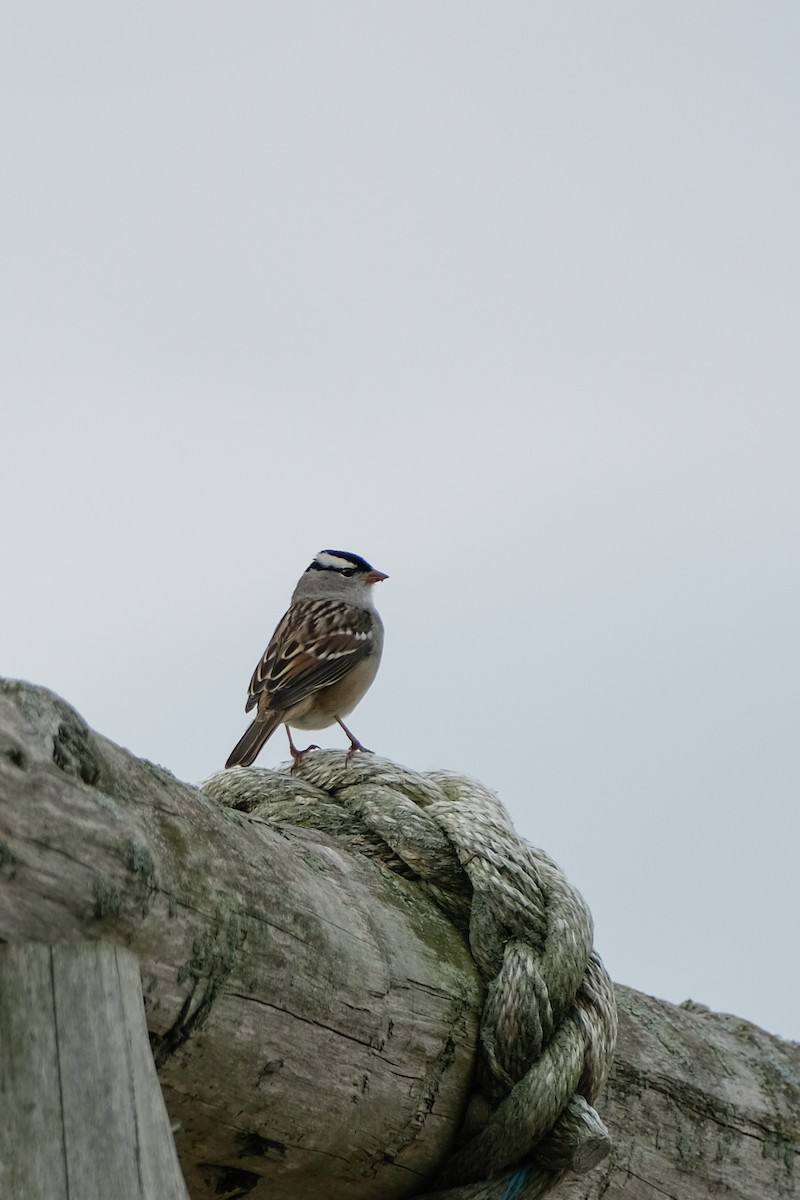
point(83, 1113)
point(314, 1018)
point(699, 1105)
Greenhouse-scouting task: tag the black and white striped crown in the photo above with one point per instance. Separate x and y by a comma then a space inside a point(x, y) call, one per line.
point(341, 561)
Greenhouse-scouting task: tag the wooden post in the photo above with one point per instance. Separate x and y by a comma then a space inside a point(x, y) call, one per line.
point(83, 1117)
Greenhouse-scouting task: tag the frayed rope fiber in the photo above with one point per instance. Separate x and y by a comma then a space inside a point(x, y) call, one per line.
point(549, 1023)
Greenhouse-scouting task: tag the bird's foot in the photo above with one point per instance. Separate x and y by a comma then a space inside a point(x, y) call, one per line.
point(355, 744)
point(298, 755)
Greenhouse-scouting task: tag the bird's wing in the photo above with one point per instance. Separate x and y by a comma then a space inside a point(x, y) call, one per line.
point(316, 644)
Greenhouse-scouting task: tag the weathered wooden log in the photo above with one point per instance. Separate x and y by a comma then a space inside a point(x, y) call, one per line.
point(699, 1105)
point(83, 1116)
point(313, 1016)
point(312, 1019)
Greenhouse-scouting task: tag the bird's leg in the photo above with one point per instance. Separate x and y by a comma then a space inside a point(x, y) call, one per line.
point(355, 744)
point(297, 755)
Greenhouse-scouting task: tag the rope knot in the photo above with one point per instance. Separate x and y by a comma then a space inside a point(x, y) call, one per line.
point(549, 1021)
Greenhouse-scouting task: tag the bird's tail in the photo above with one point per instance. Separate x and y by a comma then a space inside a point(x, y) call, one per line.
point(245, 751)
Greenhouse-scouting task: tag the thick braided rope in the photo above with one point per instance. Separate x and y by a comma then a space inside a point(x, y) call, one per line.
point(549, 1023)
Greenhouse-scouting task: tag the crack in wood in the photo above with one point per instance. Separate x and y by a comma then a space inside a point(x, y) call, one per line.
point(299, 1017)
point(661, 1191)
point(165, 1044)
point(697, 1103)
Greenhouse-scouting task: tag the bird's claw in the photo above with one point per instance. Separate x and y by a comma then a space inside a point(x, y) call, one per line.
point(299, 755)
point(355, 745)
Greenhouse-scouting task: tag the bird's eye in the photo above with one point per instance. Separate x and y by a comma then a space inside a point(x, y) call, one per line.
point(347, 571)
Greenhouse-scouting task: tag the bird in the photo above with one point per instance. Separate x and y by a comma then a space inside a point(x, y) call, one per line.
point(321, 659)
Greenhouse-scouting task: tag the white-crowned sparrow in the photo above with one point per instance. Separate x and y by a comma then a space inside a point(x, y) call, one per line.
point(322, 657)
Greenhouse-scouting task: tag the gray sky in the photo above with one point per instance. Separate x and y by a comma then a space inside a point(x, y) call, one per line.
point(502, 296)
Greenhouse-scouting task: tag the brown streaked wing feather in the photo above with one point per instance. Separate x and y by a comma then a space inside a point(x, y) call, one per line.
point(318, 646)
point(260, 681)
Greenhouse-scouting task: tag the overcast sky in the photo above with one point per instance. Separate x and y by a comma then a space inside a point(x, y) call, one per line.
point(505, 298)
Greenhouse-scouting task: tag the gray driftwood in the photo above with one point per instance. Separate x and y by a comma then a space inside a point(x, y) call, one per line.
point(313, 1017)
point(699, 1105)
point(312, 1022)
point(83, 1115)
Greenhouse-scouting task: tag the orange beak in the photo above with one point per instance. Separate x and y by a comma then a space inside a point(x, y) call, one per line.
point(375, 576)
